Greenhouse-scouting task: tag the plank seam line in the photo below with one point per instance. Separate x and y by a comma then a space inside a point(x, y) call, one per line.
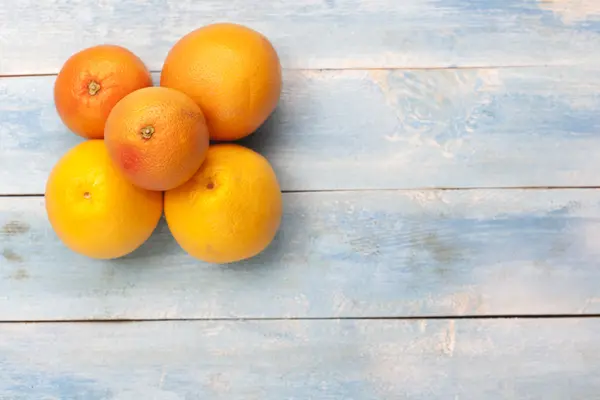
point(416, 189)
point(441, 67)
point(267, 319)
point(389, 68)
point(445, 188)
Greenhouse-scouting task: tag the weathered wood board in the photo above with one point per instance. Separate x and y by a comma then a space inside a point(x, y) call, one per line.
point(273, 360)
point(375, 129)
point(382, 100)
point(315, 33)
point(338, 254)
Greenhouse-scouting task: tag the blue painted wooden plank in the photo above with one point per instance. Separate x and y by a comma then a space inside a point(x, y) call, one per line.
point(375, 129)
point(313, 34)
point(345, 254)
point(273, 360)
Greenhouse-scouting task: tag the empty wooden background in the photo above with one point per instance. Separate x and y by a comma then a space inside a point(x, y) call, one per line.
point(441, 230)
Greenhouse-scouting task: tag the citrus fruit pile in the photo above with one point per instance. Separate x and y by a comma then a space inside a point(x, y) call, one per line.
point(151, 149)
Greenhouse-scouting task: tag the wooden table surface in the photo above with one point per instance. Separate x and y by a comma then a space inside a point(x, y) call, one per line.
point(441, 236)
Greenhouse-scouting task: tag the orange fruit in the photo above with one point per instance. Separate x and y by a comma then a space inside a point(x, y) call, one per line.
point(157, 137)
point(91, 82)
point(94, 209)
point(231, 71)
point(230, 210)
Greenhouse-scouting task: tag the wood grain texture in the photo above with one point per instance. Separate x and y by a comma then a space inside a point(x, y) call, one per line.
point(375, 129)
point(344, 254)
point(313, 34)
point(273, 360)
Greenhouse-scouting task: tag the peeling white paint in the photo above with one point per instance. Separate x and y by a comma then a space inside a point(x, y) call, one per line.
point(572, 11)
point(449, 339)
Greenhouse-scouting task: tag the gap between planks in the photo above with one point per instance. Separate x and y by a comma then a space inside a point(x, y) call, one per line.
point(416, 189)
point(392, 68)
point(259, 319)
